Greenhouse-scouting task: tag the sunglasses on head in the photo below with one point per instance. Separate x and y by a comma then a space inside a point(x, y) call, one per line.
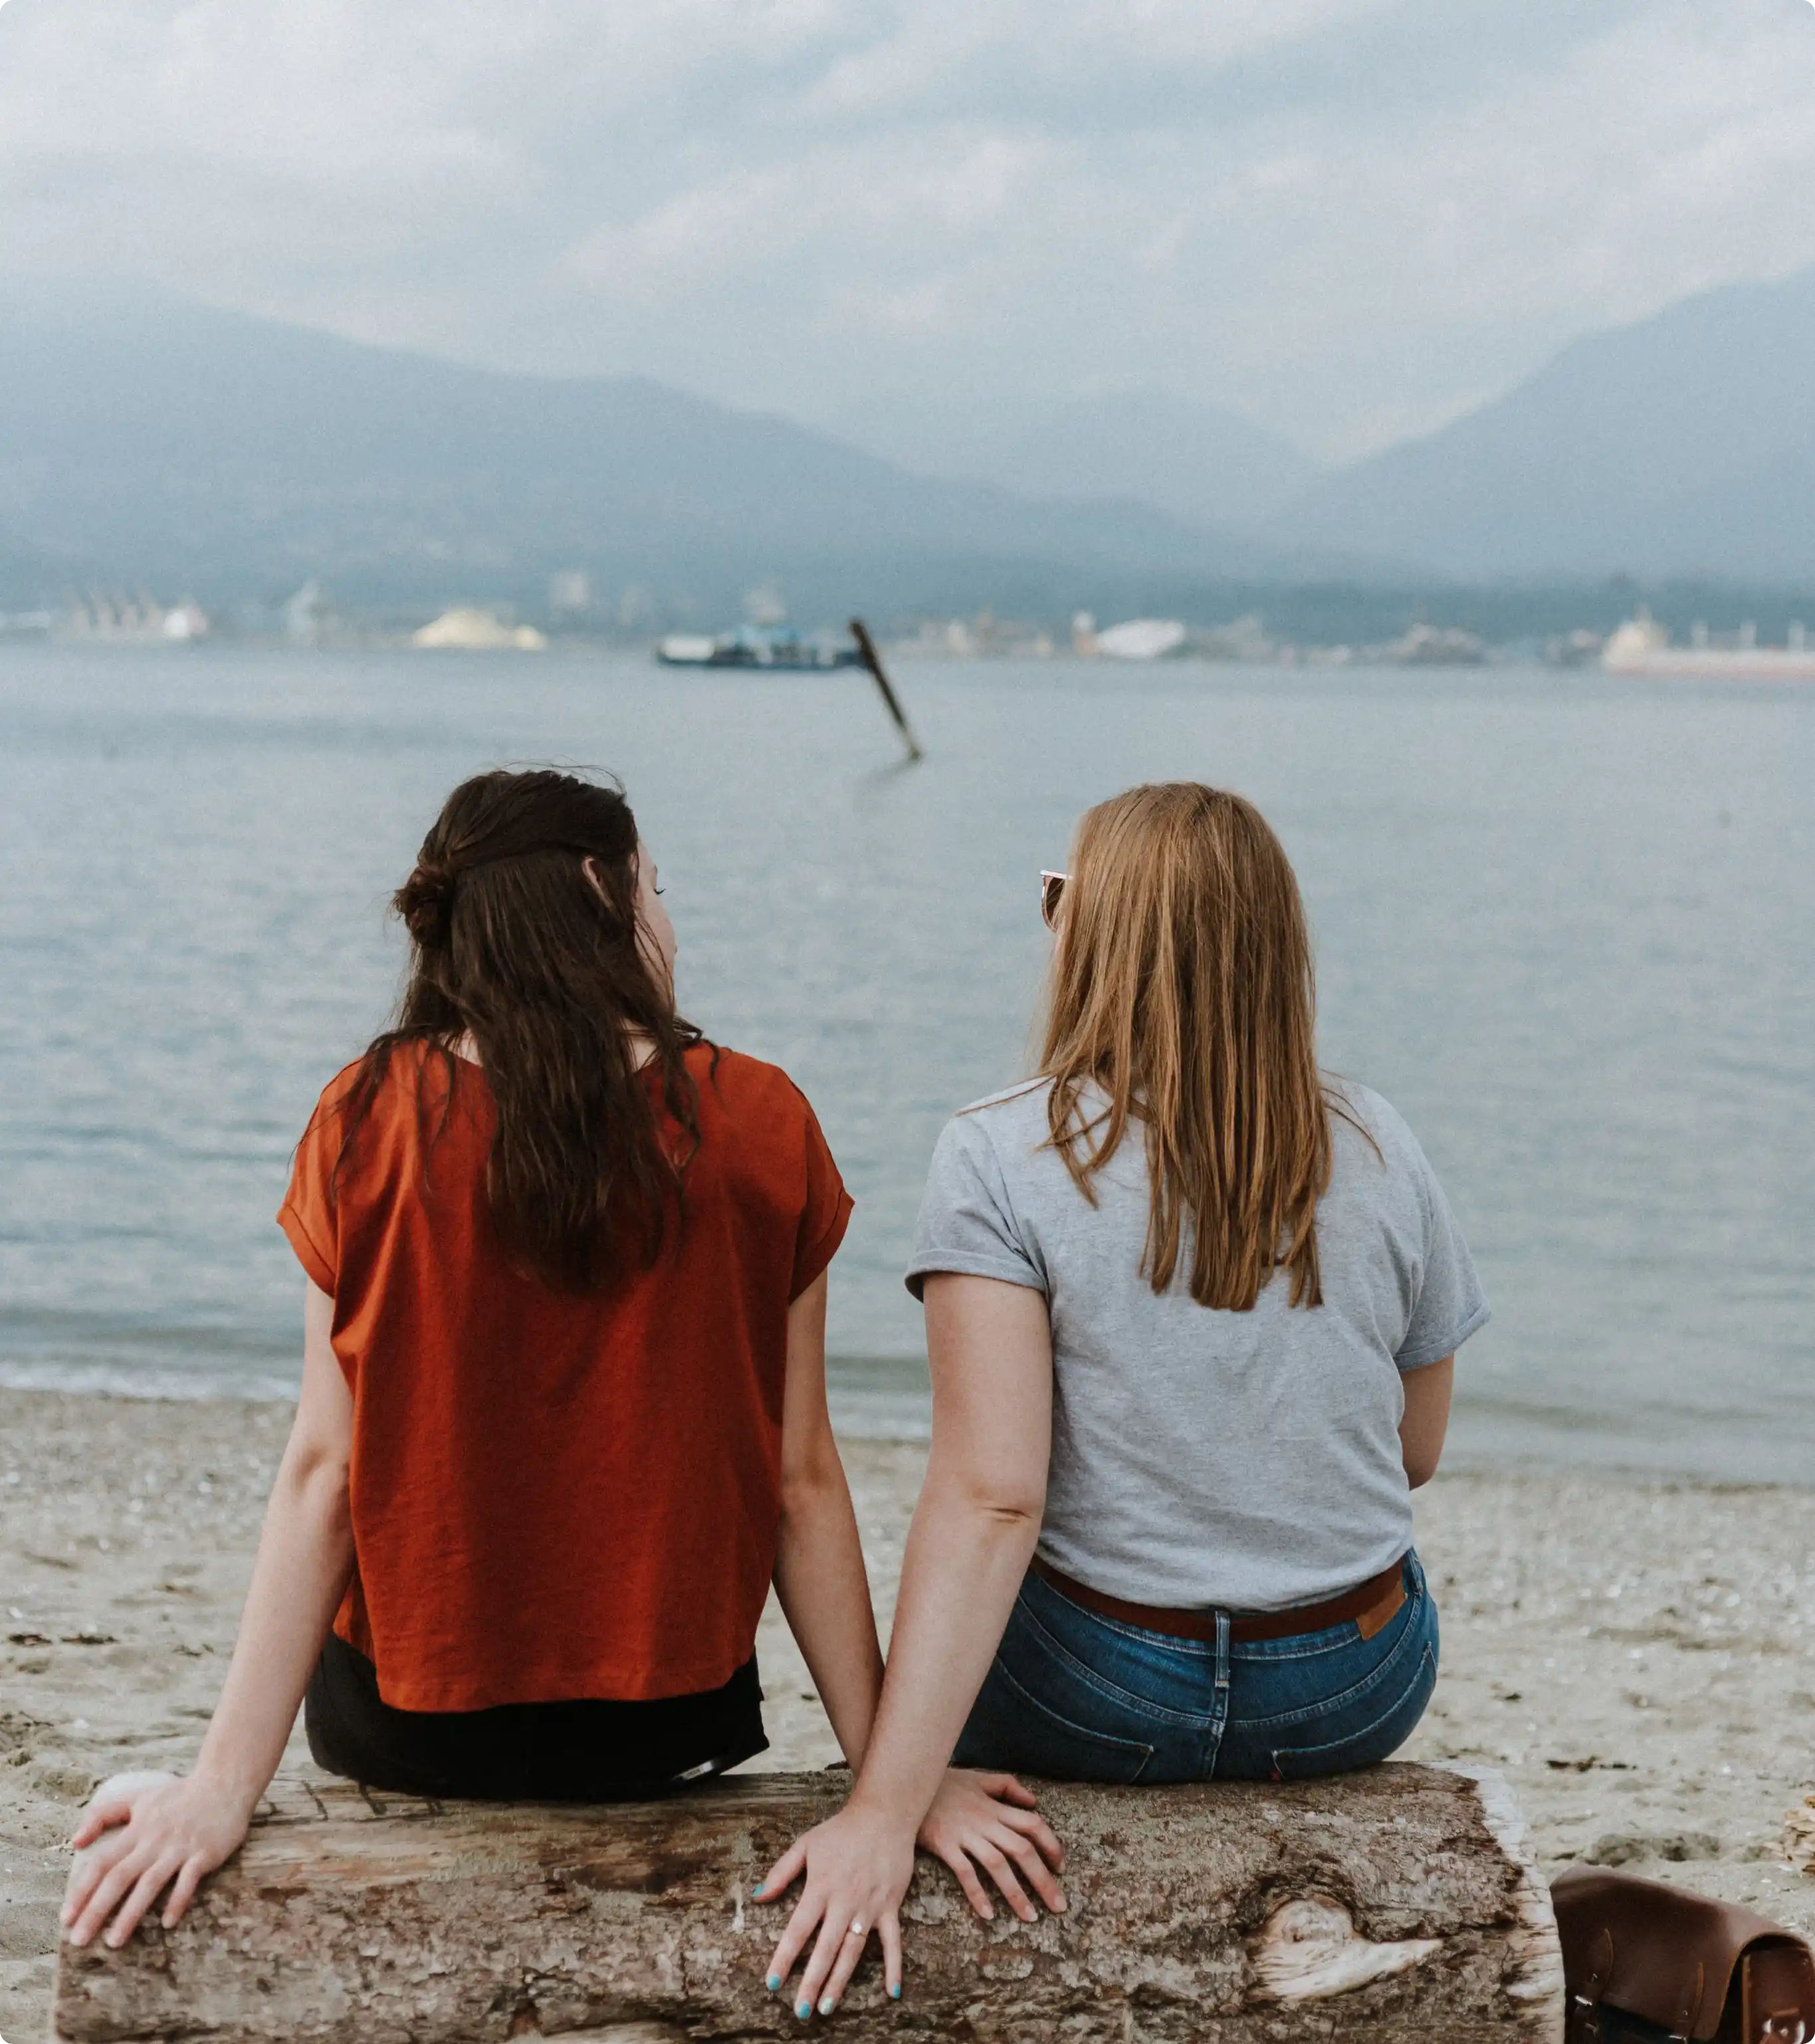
point(1052, 888)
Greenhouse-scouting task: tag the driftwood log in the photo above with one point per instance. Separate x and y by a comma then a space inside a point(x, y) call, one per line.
point(1399, 1904)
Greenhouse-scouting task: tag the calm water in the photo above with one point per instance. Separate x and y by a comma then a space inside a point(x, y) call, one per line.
point(1565, 925)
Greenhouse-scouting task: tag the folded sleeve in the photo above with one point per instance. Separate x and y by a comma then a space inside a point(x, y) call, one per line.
point(1449, 1305)
point(825, 1211)
point(308, 1215)
point(967, 1222)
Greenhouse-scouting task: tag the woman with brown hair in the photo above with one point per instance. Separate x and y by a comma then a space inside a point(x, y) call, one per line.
point(563, 1409)
point(1192, 1306)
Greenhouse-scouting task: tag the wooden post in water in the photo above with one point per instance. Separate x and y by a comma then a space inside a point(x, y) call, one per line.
point(873, 660)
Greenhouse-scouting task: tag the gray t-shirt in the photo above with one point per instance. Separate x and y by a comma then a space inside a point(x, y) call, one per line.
point(1203, 1458)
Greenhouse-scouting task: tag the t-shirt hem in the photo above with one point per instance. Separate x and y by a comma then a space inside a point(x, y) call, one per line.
point(959, 1263)
point(1427, 1353)
point(321, 1271)
point(603, 1684)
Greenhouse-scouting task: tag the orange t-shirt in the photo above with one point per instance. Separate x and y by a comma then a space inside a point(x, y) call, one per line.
point(556, 1495)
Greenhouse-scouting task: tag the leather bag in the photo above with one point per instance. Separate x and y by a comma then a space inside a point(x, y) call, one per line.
point(1642, 1960)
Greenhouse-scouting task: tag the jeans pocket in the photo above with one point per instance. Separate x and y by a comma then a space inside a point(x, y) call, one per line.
point(1010, 1727)
point(1384, 1731)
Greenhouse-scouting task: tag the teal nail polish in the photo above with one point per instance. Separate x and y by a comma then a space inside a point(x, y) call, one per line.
point(773, 1982)
point(894, 1993)
point(803, 2009)
point(758, 1888)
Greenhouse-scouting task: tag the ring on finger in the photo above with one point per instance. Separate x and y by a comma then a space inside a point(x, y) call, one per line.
point(855, 1930)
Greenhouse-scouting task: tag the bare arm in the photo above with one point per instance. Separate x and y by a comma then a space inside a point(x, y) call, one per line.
point(1425, 1420)
point(819, 1564)
point(157, 1831)
point(974, 1532)
point(974, 1529)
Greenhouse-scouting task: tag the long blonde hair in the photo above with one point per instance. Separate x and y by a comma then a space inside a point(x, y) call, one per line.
point(1182, 986)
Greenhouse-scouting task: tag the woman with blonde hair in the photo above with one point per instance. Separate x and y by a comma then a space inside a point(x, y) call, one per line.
point(1192, 1306)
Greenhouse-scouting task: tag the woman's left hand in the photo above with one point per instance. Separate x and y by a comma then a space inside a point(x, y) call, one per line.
point(858, 1865)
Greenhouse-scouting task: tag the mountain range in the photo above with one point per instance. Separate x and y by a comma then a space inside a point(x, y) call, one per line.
point(145, 440)
point(173, 444)
point(1681, 445)
point(1200, 462)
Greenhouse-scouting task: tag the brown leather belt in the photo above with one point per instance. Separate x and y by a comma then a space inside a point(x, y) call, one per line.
point(1371, 1604)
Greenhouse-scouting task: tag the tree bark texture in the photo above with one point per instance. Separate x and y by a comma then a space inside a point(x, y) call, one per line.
point(1397, 1904)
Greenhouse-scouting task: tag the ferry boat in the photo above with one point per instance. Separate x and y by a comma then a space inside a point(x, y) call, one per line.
point(1642, 646)
point(775, 649)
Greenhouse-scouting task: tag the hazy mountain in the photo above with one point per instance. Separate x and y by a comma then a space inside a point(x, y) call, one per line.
point(1195, 461)
point(162, 443)
point(1683, 444)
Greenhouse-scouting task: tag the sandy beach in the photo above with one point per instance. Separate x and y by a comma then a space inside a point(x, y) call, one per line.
point(1637, 1657)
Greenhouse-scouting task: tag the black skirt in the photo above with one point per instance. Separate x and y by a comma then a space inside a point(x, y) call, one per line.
point(588, 1751)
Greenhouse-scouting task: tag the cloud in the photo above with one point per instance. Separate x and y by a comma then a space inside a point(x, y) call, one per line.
point(1349, 218)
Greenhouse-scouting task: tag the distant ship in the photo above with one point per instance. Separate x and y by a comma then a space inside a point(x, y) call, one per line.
point(1641, 646)
point(1142, 639)
point(774, 648)
point(1437, 646)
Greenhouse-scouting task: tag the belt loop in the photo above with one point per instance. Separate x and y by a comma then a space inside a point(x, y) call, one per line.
point(1222, 1663)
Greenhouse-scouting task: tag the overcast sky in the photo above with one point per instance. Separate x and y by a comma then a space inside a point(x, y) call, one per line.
point(1348, 219)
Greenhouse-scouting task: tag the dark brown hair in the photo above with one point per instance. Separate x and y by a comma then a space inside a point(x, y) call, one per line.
point(511, 943)
point(1182, 987)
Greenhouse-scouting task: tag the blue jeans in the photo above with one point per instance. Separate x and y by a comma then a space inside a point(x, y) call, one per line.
point(1081, 1698)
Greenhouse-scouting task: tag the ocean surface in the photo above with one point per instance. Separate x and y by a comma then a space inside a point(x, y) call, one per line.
point(1566, 925)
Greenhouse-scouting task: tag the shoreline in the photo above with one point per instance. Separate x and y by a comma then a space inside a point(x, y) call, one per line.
point(1636, 1654)
point(889, 1398)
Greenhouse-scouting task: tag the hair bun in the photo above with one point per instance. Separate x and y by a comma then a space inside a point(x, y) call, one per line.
point(425, 902)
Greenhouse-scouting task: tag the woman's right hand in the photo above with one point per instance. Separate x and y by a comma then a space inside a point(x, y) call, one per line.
point(857, 1866)
point(140, 1834)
